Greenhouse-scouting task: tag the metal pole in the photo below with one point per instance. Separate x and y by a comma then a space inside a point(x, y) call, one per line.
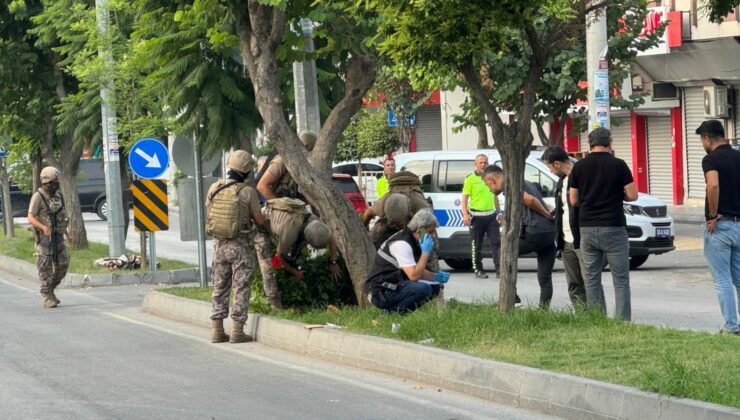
point(111, 158)
point(308, 116)
point(152, 253)
point(202, 264)
point(598, 70)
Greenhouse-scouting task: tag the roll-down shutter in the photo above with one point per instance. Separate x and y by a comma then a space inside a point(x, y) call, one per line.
point(428, 128)
point(622, 139)
point(660, 162)
point(694, 116)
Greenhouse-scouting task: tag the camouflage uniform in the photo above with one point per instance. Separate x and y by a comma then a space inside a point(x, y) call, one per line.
point(234, 262)
point(49, 278)
point(263, 244)
point(286, 229)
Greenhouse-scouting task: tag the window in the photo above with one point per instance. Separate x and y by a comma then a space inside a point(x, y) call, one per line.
point(422, 169)
point(542, 181)
point(348, 169)
point(452, 174)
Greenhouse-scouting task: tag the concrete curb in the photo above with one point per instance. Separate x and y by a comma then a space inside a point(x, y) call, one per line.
point(74, 280)
point(533, 389)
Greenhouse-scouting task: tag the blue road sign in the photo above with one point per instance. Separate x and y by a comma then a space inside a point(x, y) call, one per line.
point(393, 122)
point(149, 158)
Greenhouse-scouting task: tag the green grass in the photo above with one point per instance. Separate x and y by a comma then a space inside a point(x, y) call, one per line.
point(81, 261)
point(689, 364)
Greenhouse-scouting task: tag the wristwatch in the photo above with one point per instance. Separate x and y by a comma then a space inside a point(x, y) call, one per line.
point(712, 217)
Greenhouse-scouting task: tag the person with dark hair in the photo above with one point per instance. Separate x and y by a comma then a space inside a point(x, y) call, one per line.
point(389, 168)
point(567, 236)
point(537, 232)
point(598, 185)
point(399, 281)
point(481, 214)
point(721, 168)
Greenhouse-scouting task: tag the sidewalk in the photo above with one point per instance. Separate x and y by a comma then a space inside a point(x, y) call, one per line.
point(532, 389)
point(692, 213)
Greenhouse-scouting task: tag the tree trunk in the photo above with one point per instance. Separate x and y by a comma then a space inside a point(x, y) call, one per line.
point(7, 204)
point(544, 137)
point(482, 136)
point(260, 32)
point(76, 233)
point(36, 170)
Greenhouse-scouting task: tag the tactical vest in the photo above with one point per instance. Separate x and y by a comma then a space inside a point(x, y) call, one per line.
point(385, 267)
point(58, 219)
point(227, 216)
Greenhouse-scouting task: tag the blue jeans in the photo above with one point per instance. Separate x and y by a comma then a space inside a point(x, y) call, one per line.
point(406, 298)
point(612, 243)
point(722, 251)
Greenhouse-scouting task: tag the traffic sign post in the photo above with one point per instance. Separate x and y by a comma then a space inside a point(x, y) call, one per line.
point(150, 211)
point(149, 158)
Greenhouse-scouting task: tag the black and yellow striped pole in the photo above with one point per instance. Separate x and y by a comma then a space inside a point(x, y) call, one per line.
point(150, 211)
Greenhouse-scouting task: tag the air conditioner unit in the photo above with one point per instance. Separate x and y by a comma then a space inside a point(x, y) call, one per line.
point(715, 101)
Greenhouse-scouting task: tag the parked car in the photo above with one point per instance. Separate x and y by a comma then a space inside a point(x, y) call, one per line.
point(442, 173)
point(366, 179)
point(349, 187)
point(90, 186)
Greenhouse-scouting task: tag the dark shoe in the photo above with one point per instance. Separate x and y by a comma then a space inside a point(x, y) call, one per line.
point(735, 333)
point(481, 275)
point(517, 301)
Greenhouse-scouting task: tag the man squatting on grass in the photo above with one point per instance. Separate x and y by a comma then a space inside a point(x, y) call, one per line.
point(399, 281)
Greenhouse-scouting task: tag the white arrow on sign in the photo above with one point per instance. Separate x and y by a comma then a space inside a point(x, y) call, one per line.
point(152, 162)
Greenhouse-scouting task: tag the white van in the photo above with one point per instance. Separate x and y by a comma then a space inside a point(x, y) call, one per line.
point(442, 174)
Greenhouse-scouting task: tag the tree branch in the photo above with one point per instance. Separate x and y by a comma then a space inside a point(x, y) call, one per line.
point(359, 79)
point(481, 96)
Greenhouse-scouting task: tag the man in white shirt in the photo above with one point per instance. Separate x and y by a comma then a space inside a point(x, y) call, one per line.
point(399, 281)
point(566, 225)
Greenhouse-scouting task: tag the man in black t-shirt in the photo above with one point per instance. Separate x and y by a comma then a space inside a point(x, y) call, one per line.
point(538, 229)
point(598, 185)
point(721, 168)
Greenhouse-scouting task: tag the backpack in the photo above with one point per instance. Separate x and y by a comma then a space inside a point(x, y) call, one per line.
point(226, 214)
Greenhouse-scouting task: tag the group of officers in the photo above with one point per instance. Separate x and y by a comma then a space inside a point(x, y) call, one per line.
point(405, 273)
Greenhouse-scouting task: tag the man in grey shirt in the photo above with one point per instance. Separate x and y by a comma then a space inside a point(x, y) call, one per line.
point(538, 230)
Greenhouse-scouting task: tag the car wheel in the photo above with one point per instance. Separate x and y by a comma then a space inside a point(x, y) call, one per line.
point(462, 264)
point(102, 209)
point(637, 261)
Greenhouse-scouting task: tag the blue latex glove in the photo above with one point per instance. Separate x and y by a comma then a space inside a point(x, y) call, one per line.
point(427, 244)
point(441, 277)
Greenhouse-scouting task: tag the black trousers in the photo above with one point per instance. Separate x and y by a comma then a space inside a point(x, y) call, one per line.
point(480, 226)
point(542, 244)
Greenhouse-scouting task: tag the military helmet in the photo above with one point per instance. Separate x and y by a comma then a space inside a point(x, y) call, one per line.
point(308, 138)
point(49, 174)
point(241, 161)
point(317, 234)
point(396, 209)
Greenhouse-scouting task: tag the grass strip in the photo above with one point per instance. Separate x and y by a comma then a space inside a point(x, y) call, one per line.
point(689, 364)
point(81, 260)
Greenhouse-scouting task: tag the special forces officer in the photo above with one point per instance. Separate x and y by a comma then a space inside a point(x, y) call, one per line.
point(233, 208)
point(293, 226)
point(49, 219)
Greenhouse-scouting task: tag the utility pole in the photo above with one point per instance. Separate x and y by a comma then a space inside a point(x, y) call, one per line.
point(308, 116)
point(598, 69)
point(111, 157)
point(202, 263)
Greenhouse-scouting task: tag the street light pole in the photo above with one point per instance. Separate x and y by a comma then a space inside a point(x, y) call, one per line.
point(111, 157)
point(598, 70)
point(307, 110)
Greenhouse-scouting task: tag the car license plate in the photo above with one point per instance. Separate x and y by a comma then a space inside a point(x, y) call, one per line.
point(663, 232)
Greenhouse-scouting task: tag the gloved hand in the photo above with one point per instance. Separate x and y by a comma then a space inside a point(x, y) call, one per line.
point(441, 277)
point(427, 244)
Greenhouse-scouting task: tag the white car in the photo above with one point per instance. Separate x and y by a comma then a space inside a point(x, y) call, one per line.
point(442, 174)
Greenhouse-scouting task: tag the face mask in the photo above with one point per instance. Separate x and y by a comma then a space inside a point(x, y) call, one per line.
point(52, 187)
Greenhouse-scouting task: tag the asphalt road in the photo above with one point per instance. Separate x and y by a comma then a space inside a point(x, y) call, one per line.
point(98, 356)
point(673, 289)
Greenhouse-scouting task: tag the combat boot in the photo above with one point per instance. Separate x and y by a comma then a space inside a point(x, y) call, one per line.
point(54, 297)
point(237, 333)
point(217, 331)
point(49, 302)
